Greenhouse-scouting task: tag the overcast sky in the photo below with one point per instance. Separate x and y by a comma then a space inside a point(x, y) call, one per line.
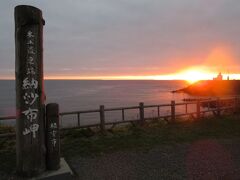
point(129, 37)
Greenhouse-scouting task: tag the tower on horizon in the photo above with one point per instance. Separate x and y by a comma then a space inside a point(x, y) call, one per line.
point(219, 77)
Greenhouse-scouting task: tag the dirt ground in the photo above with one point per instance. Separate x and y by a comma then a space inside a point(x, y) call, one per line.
point(202, 159)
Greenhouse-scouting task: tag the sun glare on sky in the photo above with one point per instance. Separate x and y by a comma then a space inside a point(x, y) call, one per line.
point(189, 75)
point(194, 75)
point(218, 59)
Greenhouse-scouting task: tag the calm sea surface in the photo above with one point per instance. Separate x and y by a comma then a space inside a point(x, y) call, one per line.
point(74, 95)
point(82, 95)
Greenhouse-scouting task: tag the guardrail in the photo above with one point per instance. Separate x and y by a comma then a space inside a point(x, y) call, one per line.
point(214, 105)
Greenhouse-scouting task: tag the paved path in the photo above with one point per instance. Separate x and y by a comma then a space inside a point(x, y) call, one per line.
point(204, 159)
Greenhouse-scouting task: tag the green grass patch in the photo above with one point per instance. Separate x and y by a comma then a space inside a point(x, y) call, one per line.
point(6, 129)
point(7, 155)
point(7, 150)
point(153, 133)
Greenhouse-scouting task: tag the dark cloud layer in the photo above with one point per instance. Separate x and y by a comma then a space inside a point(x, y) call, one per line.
point(123, 37)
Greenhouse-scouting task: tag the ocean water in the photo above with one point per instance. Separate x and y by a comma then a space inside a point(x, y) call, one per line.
point(74, 95)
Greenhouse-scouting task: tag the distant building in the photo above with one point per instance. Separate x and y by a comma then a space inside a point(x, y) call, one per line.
point(219, 77)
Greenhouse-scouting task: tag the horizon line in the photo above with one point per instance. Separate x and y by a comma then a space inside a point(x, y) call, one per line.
point(106, 79)
point(174, 77)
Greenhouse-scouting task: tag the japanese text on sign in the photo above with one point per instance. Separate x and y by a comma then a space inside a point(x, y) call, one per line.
point(30, 87)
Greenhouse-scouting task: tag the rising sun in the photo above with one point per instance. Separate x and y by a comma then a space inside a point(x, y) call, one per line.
point(194, 75)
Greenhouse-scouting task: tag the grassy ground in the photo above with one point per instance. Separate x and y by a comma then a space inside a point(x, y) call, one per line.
point(146, 137)
point(7, 151)
point(140, 138)
point(7, 156)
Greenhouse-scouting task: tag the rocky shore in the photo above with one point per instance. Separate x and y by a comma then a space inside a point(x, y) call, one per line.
point(212, 88)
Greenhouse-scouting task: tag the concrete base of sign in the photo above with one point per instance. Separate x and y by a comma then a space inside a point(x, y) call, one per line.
point(63, 173)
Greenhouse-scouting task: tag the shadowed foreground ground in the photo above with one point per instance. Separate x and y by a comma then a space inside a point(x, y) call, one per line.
point(203, 159)
point(204, 149)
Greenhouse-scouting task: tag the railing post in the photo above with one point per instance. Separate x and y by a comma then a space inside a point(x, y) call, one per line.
point(198, 109)
point(123, 116)
point(186, 108)
point(141, 112)
point(52, 136)
point(236, 105)
point(78, 116)
point(102, 119)
point(173, 111)
point(218, 107)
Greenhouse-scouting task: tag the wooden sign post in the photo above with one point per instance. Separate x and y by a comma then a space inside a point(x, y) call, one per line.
point(31, 149)
point(53, 136)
